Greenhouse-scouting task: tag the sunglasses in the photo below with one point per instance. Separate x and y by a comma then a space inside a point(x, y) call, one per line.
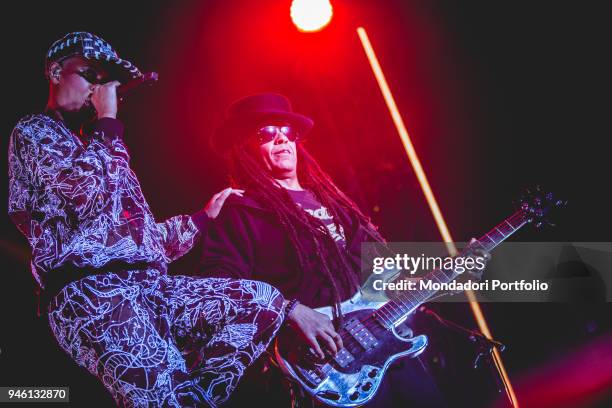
point(268, 133)
point(90, 75)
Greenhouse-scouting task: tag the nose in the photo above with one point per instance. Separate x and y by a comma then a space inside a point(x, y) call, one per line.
point(280, 137)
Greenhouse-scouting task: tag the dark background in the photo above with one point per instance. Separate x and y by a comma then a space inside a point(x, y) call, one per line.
point(496, 96)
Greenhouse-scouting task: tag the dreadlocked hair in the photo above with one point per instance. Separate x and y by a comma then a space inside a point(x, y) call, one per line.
point(248, 172)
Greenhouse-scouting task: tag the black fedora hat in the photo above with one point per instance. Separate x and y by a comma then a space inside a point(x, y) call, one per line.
point(245, 114)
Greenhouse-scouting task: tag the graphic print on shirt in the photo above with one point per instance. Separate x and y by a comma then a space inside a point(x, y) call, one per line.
point(323, 214)
point(308, 202)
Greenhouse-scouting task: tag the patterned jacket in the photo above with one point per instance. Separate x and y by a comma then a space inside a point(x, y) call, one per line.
point(81, 205)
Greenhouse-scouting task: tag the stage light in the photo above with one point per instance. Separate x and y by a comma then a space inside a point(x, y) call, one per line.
point(311, 15)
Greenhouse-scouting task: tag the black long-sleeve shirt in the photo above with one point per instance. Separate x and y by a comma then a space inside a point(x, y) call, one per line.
point(246, 241)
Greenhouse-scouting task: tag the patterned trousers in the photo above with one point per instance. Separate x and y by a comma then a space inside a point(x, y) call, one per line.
point(165, 341)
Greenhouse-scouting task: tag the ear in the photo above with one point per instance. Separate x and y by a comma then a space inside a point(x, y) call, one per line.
point(54, 73)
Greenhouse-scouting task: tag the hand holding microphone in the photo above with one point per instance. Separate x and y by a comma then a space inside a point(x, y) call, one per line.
point(105, 97)
point(104, 100)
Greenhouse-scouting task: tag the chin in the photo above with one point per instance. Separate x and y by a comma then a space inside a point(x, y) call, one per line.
point(284, 169)
point(285, 164)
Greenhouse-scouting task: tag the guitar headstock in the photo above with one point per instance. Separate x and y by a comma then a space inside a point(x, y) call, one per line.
point(537, 204)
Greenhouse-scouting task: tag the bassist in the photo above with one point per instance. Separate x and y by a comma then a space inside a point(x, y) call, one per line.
point(295, 229)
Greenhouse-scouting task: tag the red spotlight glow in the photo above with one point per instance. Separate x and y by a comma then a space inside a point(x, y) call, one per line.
point(311, 15)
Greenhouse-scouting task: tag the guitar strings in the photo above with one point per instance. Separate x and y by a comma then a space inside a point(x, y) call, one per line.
point(377, 315)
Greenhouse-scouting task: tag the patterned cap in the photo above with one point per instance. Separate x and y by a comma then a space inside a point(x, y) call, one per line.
point(92, 47)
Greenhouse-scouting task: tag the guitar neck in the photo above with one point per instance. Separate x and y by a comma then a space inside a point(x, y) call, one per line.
point(407, 301)
point(502, 231)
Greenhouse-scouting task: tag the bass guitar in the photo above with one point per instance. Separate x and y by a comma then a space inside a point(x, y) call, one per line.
point(371, 343)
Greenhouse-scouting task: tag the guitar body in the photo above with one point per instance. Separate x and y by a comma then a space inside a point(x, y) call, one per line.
point(354, 375)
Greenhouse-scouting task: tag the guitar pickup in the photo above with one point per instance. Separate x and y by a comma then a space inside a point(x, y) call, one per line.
point(360, 333)
point(343, 358)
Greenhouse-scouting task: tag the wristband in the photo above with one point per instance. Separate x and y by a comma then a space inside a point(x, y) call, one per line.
point(289, 308)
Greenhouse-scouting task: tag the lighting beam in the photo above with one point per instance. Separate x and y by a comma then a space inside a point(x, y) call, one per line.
point(431, 199)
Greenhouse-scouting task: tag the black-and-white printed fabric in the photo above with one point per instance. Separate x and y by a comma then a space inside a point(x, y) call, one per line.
point(165, 341)
point(153, 340)
point(82, 204)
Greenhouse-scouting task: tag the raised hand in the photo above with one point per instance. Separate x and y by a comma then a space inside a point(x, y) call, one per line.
point(213, 207)
point(104, 99)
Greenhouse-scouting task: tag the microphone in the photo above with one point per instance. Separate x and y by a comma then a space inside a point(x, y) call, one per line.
point(122, 90)
point(146, 79)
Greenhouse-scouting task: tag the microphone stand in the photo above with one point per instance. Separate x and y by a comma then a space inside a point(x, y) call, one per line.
point(485, 345)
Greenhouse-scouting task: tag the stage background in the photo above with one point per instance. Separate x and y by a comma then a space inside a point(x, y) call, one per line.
point(496, 95)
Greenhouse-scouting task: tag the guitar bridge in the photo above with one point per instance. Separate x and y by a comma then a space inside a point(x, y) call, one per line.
point(313, 376)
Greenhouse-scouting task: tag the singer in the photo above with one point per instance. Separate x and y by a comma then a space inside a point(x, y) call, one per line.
point(101, 258)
